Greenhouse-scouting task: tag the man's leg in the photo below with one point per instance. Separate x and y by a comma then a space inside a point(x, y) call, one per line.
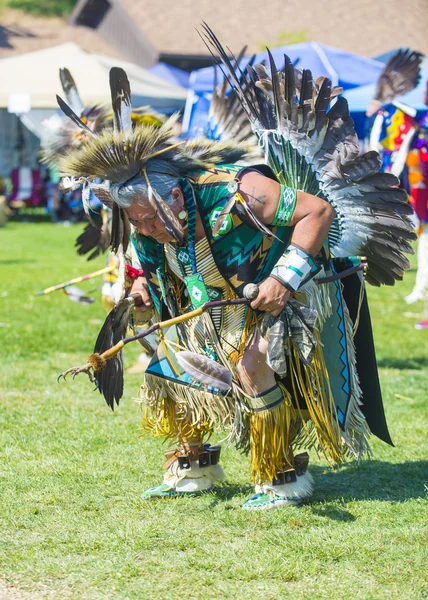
point(193, 466)
point(280, 477)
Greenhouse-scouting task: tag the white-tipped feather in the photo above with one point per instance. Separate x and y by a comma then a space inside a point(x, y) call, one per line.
point(205, 370)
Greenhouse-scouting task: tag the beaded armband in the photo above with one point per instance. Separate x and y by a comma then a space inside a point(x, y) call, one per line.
point(286, 205)
point(298, 268)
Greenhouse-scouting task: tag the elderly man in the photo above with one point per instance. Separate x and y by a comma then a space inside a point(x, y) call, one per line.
point(204, 226)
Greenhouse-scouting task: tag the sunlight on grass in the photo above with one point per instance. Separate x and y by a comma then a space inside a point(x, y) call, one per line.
point(71, 471)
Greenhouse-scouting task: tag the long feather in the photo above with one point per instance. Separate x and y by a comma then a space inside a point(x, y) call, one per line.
point(250, 218)
point(72, 115)
point(165, 214)
point(205, 370)
point(110, 378)
point(120, 229)
point(71, 91)
point(121, 101)
point(223, 215)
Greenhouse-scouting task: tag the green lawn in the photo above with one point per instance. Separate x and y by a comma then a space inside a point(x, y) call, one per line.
point(71, 471)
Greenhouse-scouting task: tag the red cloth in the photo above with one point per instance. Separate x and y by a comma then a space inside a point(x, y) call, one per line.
point(35, 195)
point(134, 273)
point(420, 189)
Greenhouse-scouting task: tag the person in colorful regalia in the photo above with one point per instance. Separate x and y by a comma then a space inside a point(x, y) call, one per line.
point(204, 227)
point(394, 125)
point(417, 164)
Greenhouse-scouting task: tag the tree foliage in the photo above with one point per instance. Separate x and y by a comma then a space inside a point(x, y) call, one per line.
point(45, 8)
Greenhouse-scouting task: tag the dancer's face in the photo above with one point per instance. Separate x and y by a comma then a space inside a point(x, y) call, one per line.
point(146, 219)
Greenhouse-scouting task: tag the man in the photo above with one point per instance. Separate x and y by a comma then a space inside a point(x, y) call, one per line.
point(204, 227)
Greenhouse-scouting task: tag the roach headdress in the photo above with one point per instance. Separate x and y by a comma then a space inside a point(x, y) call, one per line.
point(123, 154)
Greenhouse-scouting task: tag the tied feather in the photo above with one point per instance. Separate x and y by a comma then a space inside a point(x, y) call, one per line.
point(205, 370)
point(69, 112)
point(245, 213)
point(165, 214)
point(71, 92)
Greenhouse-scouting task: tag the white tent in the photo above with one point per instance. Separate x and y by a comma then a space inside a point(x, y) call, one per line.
point(36, 74)
point(30, 82)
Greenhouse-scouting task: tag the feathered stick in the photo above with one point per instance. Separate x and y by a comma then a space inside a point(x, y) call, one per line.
point(60, 286)
point(105, 365)
point(106, 368)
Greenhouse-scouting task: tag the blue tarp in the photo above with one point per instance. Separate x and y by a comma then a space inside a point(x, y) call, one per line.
point(171, 74)
point(343, 68)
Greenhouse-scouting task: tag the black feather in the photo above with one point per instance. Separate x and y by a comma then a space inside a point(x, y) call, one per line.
point(72, 115)
point(110, 377)
point(71, 92)
point(120, 229)
point(95, 238)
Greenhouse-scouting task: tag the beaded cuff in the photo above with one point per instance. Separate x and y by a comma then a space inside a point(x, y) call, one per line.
point(286, 205)
point(299, 267)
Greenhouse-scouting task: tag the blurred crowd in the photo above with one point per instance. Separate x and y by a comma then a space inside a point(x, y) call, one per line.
point(28, 188)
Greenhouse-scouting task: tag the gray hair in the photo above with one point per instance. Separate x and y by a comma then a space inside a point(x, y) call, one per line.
point(163, 177)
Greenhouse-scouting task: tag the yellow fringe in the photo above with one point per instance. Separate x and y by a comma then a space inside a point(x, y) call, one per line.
point(313, 384)
point(175, 410)
point(250, 323)
point(270, 440)
point(166, 423)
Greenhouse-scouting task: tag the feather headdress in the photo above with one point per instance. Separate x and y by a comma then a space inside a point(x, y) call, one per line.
point(60, 134)
point(123, 154)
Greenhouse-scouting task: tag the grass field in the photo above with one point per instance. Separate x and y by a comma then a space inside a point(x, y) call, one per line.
point(71, 471)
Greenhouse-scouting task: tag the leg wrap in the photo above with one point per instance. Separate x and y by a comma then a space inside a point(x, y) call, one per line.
point(272, 430)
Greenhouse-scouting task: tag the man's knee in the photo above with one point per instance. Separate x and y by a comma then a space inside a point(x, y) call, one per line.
point(253, 361)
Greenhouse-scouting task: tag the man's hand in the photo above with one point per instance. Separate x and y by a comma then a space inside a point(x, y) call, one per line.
point(272, 297)
point(140, 287)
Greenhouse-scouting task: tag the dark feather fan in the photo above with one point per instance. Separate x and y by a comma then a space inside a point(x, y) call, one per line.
point(95, 239)
point(110, 377)
point(401, 75)
point(316, 150)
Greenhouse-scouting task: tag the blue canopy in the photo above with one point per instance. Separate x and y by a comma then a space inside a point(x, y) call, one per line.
point(171, 74)
point(343, 68)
